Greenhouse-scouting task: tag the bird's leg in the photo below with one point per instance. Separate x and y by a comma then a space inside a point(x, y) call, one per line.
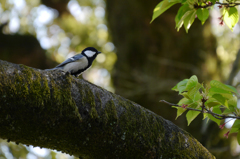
point(67, 73)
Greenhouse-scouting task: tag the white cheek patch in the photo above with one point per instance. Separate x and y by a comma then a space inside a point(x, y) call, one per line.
point(90, 53)
point(77, 65)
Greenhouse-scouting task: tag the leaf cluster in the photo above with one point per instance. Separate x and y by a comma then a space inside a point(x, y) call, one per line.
point(217, 101)
point(191, 9)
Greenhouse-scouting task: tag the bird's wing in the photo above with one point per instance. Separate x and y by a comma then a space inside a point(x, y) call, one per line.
point(71, 59)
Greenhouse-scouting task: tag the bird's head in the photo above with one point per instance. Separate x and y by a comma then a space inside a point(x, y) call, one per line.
point(90, 52)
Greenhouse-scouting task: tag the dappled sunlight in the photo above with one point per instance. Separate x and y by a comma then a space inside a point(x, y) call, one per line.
point(82, 14)
point(228, 42)
point(41, 152)
point(62, 36)
point(228, 46)
point(100, 77)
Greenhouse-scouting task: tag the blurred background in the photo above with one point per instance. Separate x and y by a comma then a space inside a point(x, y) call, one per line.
point(140, 61)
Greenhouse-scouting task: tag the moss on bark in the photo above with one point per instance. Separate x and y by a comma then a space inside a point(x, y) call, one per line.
point(54, 110)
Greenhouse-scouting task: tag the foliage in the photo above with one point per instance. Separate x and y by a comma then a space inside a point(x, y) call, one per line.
point(217, 102)
point(191, 9)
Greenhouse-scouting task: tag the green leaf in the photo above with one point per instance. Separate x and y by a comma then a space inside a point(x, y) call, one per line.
point(178, 19)
point(194, 105)
point(162, 7)
point(181, 11)
point(177, 1)
point(179, 111)
point(191, 115)
point(175, 88)
point(181, 21)
point(233, 130)
point(234, 90)
point(194, 94)
point(197, 97)
point(218, 121)
point(202, 14)
point(238, 138)
point(217, 84)
point(185, 94)
point(193, 81)
point(232, 101)
point(213, 1)
point(236, 124)
point(224, 93)
point(216, 110)
point(179, 84)
point(230, 16)
point(211, 102)
point(227, 111)
point(181, 102)
point(221, 99)
point(182, 85)
point(185, 101)
point(218, 91)
point(189, 19)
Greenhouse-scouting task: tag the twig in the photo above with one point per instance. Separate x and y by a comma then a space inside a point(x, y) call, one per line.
point(230, 4)
point(225, 4)
point(215, 115)
point(208, 111)
point(163, 101)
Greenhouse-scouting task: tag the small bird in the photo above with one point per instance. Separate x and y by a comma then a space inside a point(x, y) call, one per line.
point(79, 63)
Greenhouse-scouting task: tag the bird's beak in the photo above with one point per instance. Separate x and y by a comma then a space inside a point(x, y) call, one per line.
point(99, 52)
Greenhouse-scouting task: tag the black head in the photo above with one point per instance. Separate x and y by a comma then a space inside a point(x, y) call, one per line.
point(90, 52)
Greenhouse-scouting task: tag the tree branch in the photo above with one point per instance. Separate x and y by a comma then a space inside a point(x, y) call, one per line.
point(53, 110)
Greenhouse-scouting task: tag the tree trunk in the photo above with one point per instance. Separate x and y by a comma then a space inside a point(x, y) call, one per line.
point(152, 58)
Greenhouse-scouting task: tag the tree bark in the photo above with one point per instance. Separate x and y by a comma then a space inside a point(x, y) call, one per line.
point(54, 110)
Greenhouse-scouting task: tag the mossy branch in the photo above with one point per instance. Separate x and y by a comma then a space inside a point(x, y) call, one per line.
point(57, 111)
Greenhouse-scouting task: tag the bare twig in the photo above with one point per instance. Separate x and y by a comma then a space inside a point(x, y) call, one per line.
point(163, 101)
point(215, 115)
point(230, 4)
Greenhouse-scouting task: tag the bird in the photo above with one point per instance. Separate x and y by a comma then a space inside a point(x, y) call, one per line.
point(79, 63)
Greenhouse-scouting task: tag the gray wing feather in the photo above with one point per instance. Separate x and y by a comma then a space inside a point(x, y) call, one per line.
point(72, 59)
point(51, 69)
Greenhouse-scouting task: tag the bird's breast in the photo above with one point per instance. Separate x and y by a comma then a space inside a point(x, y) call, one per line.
point(77, 65)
